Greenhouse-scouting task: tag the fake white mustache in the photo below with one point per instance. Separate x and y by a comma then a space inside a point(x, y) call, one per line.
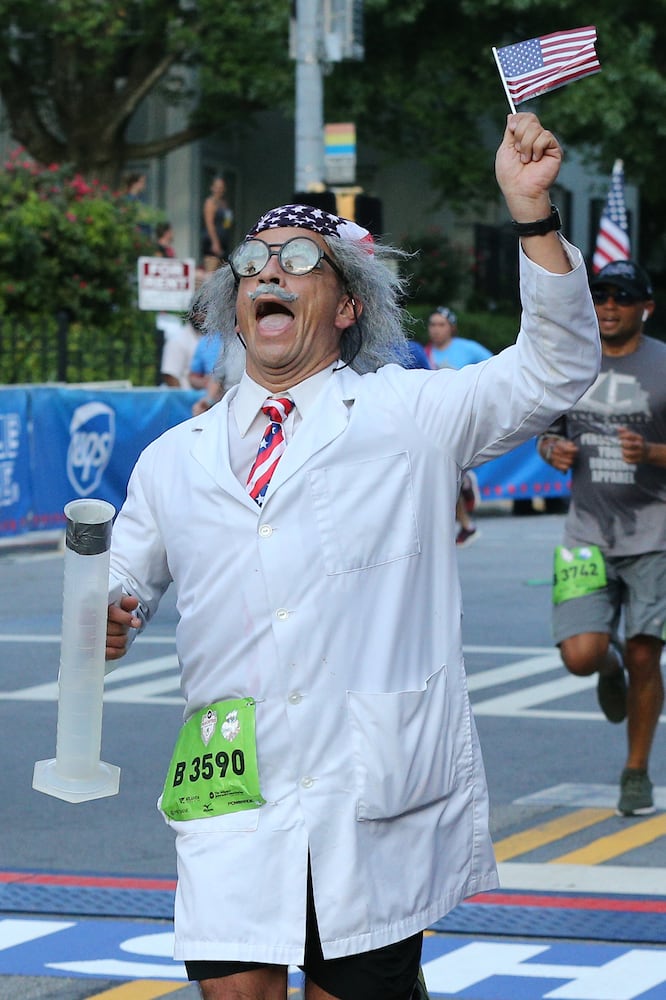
point(274, 291)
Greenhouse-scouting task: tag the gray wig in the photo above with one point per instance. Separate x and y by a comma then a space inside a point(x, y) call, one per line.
point(377, 338)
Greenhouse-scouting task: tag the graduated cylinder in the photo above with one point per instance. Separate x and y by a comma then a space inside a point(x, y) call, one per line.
point(77, 774)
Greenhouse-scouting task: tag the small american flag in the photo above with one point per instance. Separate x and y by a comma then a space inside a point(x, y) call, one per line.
point(538, 65)
point(613, 235)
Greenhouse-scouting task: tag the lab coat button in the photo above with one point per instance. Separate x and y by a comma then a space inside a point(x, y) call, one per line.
point(265, 531)
point(295, 698)
point(307, 781)
point(282, 614)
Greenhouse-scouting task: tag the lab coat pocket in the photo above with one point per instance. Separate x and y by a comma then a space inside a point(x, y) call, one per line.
point(236, 822)
point(404, 752)
point(365, 512)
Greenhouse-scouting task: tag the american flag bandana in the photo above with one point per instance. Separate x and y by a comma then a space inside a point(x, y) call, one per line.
point(315, 219)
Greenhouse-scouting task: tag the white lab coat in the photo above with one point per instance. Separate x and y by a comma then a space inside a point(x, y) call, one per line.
point(337, 607)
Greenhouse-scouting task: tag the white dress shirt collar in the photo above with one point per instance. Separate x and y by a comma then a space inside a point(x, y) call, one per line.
point(251, 396)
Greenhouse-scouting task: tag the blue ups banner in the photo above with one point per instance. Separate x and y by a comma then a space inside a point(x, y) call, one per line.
point(59, 443)
point(15, 477)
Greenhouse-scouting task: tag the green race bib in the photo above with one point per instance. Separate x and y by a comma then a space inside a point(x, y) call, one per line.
point(577, 572)
point(214, 768)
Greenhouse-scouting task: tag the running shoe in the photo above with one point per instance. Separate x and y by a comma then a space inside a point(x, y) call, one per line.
point(635, 793)
point(466, 536)
point(612, 695)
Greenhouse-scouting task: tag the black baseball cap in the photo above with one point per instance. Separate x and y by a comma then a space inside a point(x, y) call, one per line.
point(624, 274)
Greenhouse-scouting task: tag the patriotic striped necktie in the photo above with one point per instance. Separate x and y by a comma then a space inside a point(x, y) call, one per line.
point(277, 409)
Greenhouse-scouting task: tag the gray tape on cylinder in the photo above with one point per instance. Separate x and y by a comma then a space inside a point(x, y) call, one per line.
point(88, 539)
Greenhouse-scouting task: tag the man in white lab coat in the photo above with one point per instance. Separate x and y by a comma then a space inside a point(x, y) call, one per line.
point(327, 789)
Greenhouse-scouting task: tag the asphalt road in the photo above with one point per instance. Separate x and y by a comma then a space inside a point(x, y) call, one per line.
point(548, 751)
point(533, 738)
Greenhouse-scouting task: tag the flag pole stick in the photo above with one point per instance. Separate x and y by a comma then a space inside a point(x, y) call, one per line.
point(506, 89)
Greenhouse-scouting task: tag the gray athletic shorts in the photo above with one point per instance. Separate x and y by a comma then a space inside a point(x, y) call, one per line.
point(636, 589)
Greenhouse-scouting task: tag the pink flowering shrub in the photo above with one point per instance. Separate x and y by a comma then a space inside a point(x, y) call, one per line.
point(65, 243)
point(69, 246)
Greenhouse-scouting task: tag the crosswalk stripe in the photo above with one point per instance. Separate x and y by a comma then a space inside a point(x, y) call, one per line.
point(638, 834)
point(153, 691)
point(132, 671)
point(548, 833)
point(533, 694)
point(139, 989)
point(514, 671)
point(628, 880)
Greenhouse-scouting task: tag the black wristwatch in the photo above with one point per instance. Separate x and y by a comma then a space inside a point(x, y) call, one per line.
point(552, 223)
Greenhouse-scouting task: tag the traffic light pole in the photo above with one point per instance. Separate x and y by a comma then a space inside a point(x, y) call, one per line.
point(309, 151)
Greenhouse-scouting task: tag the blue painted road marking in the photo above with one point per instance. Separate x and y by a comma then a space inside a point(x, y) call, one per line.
point(495, 970)
point(455, 966)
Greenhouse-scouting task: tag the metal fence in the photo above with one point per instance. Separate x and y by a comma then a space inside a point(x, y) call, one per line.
point(55, 349)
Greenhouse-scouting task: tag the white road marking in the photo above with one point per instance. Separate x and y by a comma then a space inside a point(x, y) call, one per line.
point(16, 932)
point(525, 701)
point(621, 879)
point(576, 795)
point(621, 978)
point(103, 967)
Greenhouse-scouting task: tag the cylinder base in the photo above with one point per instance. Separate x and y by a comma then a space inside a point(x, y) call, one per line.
point(104, 781)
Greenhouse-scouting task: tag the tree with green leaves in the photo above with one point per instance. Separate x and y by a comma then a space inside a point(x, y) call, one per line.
point(429, 89)
point(73, 72)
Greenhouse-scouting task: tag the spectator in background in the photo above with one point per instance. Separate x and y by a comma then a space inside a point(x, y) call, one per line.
point(180, 342)
point(204, 360)
point(133, 187)
point(164, 240)
point(224, 362)
point(417, 357)
point(134, 184)
point(180, 338)
point(216, 365)
point(445, 349)
point(218, 221)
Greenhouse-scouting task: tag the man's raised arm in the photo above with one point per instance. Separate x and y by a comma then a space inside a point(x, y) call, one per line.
point(526, 165)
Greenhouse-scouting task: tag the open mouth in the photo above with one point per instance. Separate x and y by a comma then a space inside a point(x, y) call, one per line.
point(272, 308)
point(273, 318)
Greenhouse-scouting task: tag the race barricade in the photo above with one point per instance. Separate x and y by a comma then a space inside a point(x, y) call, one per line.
point(59, 443)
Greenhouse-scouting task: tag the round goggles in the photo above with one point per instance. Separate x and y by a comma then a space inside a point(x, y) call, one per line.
point(299, 255)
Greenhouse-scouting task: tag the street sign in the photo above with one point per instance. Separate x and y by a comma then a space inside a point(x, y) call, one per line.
point(340, 153)
point(166, 284)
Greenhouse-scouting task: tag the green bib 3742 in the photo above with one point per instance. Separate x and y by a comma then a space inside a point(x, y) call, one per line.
point(577, 571)
point(214, 768)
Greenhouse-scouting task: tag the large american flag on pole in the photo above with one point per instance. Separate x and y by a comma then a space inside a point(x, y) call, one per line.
point(538, 65)
point(613, 236)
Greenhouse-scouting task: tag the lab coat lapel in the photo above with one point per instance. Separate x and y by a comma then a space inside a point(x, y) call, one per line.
point(210, 448)
point(328, 419)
